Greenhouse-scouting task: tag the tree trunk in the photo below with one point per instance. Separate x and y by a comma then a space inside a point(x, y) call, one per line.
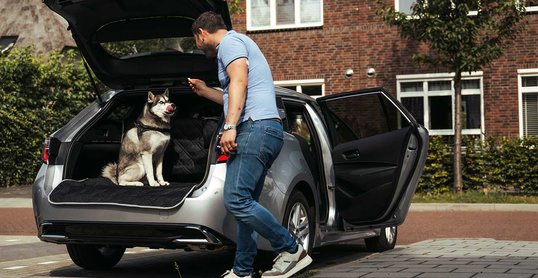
point(458, 184)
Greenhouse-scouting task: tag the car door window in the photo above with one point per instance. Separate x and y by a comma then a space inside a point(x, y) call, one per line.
point(361, 117)
point(299, 127)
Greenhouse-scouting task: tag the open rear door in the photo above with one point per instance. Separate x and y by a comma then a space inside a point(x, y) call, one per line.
point(378, 153)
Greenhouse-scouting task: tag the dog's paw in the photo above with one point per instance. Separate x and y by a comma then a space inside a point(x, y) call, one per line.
point(154, 183)
point(164, 183)
point(131, 183)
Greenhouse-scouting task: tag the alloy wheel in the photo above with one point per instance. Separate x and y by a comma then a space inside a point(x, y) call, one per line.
point(298, 224)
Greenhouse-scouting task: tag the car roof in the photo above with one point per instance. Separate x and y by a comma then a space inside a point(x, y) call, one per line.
point(284, 92)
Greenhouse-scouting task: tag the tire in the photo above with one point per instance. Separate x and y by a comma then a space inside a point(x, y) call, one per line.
point(95, 257)
point(300, 221)
point(385, 241)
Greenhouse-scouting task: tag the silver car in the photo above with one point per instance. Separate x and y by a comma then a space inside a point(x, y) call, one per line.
point(348, 168)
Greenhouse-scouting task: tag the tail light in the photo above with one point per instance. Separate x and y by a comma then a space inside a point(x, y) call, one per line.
point(46, 151)
point(222, 158)
point(51, 147)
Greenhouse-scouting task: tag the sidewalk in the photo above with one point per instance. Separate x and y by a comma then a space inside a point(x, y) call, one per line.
point(15, 202)
point(473, 207)
point(27, 203)
point(16, 197)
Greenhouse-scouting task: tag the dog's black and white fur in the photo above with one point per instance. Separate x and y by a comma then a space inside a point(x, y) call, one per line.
point(143, 146)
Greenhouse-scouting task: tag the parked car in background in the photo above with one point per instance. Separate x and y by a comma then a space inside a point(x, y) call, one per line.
point(348, 168)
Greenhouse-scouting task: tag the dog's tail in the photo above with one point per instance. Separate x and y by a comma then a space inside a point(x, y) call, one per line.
point(110, 172)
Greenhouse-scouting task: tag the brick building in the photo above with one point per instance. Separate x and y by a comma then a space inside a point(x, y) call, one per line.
point(310, 44)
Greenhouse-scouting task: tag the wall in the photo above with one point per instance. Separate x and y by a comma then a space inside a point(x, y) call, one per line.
point(354, 37)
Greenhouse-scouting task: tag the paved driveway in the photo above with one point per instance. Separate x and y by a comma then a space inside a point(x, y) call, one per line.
point(445, 258)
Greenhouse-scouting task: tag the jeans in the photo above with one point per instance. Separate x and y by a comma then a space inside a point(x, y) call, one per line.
point(258, 144)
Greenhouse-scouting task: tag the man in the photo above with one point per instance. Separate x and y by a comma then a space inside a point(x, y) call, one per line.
point(253, 137)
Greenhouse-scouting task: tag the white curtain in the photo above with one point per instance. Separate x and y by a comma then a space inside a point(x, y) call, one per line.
point(310, 11)
point(260, 13)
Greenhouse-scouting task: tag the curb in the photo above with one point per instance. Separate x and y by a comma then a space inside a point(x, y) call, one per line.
point(416, 207)
point(444, 207)
point(16, 203)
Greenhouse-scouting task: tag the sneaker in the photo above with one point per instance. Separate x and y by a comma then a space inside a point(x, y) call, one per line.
point(231, 274)
point(287, 264)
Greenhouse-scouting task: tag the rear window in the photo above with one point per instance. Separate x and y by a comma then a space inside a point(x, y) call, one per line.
point(134, 48)
point(144, 36)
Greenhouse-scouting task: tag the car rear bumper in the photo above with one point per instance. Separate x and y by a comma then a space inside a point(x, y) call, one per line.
point(201, 221)
point(170, 236)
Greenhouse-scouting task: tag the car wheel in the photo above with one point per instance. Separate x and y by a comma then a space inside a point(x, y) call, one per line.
point(385, 241)
point(299, 219)
point(95, 257)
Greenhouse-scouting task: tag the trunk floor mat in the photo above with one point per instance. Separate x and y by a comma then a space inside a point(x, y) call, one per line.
point(101, 191)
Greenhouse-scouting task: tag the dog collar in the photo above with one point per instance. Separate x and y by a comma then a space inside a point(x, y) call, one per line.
point(141, 128)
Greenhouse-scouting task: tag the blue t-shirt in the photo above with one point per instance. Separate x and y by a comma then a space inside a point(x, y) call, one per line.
point(260, 96)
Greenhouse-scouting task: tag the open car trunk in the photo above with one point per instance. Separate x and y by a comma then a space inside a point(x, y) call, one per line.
point(186, 160)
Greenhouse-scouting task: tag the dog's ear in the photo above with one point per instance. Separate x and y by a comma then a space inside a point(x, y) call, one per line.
point(166, 93)
point(151, 97)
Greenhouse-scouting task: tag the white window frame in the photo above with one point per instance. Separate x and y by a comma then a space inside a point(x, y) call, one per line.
point(531, 8)
point(527, 9)
point(522, 90)
point(303, 82)
point(425, 78)
point(272, 11)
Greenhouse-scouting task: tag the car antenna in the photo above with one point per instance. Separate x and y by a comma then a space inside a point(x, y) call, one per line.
point(96, 89)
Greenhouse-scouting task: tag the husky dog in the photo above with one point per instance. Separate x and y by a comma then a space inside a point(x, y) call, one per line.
point(143, 146)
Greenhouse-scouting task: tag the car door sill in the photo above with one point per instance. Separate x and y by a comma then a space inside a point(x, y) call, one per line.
point(336, 236)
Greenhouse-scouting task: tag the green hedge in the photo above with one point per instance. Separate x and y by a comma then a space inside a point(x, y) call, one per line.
point(495, 164)
point(37, 96)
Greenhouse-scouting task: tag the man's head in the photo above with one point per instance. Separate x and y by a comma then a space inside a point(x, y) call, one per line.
point(205, 29)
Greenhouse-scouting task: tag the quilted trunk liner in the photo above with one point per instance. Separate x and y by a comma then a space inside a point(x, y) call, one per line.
point(101, 191)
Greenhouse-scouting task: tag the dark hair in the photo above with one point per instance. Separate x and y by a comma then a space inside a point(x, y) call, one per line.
point(209, 21)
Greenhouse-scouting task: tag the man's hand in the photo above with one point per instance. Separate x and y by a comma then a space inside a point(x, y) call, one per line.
point(200, 88)
point(227, 141)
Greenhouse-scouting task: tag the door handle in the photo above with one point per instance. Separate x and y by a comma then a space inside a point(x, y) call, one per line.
point(349, 155)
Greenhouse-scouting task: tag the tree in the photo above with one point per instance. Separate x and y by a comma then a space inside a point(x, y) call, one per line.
point(463, 36)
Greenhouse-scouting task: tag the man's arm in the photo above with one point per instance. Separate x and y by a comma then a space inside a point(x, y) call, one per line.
point(238, 73)
point(237, 90)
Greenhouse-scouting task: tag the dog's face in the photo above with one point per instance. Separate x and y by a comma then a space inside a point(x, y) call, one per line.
point(160, 105)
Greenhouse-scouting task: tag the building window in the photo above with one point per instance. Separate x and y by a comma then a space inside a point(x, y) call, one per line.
point(7, 42)
point(404, 6)
point(430, 99)
point(312, 87)
point(528, 99)
point(283, 14)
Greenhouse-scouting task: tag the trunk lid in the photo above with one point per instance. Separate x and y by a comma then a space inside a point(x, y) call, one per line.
point(140, 43)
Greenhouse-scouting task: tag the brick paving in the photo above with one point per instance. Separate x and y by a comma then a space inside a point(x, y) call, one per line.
point(445, 258)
